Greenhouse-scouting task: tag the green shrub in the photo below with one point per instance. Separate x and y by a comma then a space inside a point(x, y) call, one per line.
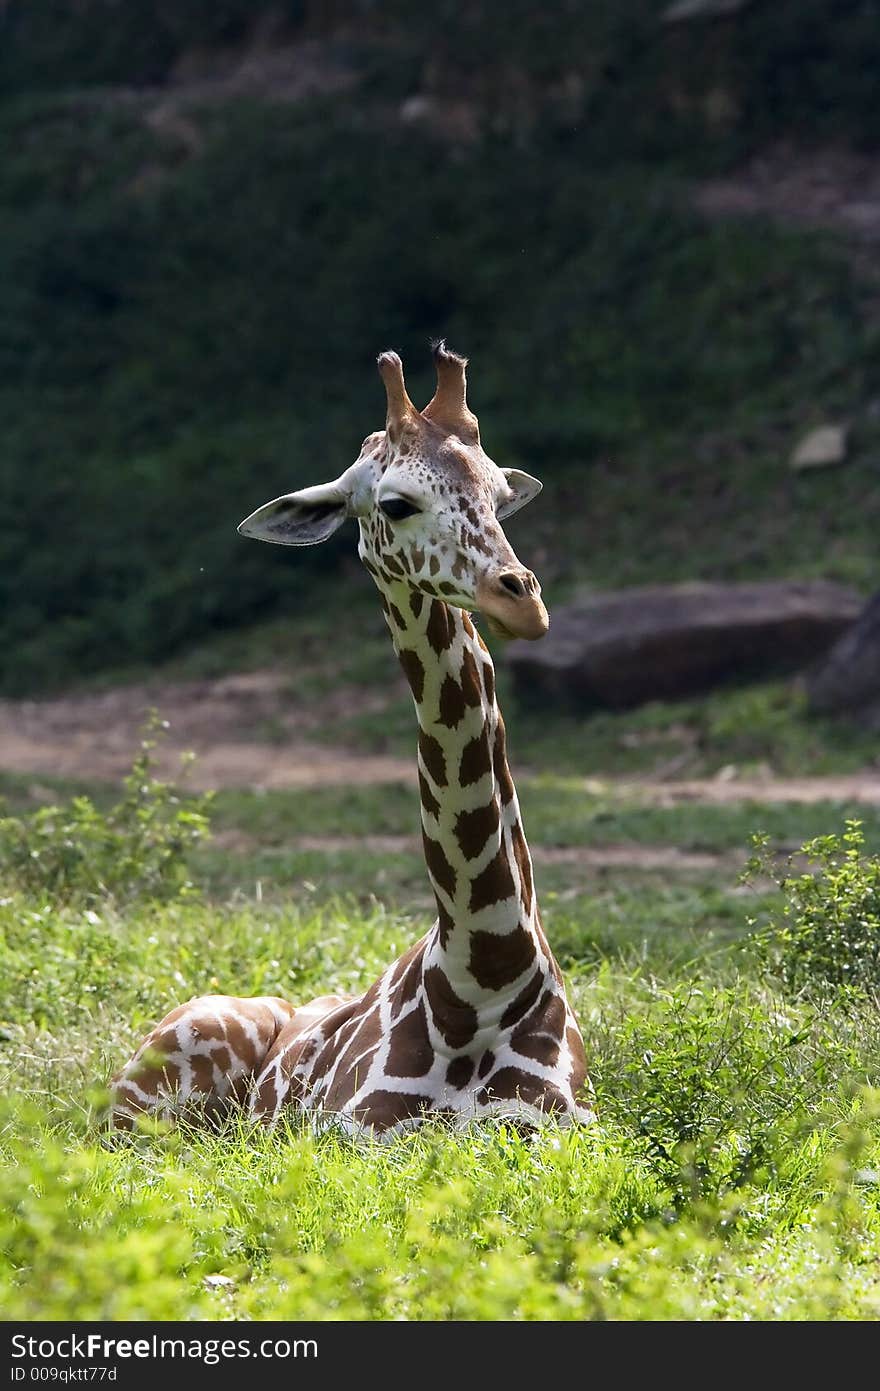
point(714, 1082)
point(828, 931)
point(136, 850)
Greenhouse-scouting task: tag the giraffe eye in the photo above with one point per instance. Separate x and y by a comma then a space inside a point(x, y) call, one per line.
point(398, 509)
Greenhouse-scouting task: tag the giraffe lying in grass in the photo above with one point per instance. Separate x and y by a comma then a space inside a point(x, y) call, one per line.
point(472, 1020)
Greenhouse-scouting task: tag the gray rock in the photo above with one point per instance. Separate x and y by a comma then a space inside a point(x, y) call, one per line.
point(658, 642)
point(847, 680)
point(822, 446)
point(701, 9)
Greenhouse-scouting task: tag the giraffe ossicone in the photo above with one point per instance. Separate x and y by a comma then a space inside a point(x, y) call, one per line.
point(473, 1020)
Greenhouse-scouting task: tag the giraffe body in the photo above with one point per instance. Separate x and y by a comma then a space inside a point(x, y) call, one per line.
point(473, 1019)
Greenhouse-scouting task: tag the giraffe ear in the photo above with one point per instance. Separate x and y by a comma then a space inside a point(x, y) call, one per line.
point(299, 519)
point(523, 488)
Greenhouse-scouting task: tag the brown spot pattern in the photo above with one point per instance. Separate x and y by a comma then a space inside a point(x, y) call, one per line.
point(489, 681)
point(416, 600)
point(473, 828)
point(454, 1018)
point(408, 987)
point(363, 1039)
point(410, 1053)
point(492, 884)
point(439, 868)
point(549, 1017)
point(440, 630)
point(331, 1050)
point(470, 681)
point(402, 962)
point(396, 615)
point(459, 1072)
point(242, 1045)
point(497, 960)
point(499, 763)
point(202, 1072)
point(444, 923)
point(538, 1046)
point(429, 801)
point(578, 1059)
point(487, 1062)
point(452, 703)
point(433, 757)
point(206, 1028)
point(509, 1084)
point(523, 1002)
point(521, 853)
point(413, 671)
point(474, 542)
point(383, 1109)
point(476, 761)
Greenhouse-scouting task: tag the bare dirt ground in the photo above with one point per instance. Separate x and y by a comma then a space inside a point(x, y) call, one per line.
point(624, 856)
point(93, 736)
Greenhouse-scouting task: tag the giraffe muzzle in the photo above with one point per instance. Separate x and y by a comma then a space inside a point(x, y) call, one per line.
point(511, 601)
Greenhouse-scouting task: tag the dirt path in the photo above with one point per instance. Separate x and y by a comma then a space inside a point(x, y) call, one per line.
point(623, 856)
point(92, 736)
point(856, 787)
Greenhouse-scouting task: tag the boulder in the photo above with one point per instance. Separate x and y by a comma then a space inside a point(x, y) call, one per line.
point(658, 642)
point(701, 9)
point(847, 680)
point(823, 446)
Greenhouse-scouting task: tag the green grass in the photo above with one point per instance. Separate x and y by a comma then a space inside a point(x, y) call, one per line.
point(558, 811)
point(732, 1172)
point(747, 730)
point(768, 1210)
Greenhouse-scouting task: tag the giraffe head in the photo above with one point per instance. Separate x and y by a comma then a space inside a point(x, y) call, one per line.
point(428, 500)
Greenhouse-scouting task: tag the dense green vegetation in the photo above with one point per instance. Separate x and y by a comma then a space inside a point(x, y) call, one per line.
point(193, 291)
point(732, 1172)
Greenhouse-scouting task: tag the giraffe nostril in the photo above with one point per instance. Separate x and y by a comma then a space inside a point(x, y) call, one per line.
point(513, 584)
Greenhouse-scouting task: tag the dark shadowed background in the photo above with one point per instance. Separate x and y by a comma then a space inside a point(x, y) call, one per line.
point(653, 228)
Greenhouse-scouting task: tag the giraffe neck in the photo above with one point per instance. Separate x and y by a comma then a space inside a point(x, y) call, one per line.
point(487, 944)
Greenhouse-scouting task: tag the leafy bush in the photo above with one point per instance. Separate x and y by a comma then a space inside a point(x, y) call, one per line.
point(828, 931)
point(711, 1080)
point(136, 850)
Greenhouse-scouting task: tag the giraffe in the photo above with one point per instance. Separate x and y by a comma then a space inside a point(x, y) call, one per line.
point(473, 1019)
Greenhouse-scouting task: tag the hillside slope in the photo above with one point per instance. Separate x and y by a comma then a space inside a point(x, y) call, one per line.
point(213, 220)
